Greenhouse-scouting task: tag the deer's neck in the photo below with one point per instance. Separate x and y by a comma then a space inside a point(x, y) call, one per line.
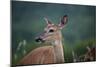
point(58, 50)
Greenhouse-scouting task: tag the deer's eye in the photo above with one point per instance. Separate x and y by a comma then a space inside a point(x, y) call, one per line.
point(51, 30)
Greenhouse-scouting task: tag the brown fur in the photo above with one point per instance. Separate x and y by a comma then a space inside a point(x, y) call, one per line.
point(48, 54)
point(41, 55)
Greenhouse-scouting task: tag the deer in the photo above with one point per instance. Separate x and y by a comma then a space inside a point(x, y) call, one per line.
point(53, 53)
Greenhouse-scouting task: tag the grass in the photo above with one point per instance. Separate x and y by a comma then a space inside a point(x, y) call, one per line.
point(79, 48)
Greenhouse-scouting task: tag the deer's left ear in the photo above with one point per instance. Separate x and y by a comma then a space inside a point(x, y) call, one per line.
point(47, 21)
point(63, 21)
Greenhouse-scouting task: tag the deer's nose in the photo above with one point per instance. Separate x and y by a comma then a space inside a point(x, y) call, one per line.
point(39, 39)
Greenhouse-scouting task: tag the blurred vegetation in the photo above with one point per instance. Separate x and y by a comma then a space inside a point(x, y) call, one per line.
point(79, 48)
point(27, 23)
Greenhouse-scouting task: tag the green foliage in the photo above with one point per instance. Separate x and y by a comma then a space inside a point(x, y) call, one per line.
point(27, 22)
point(79, 48)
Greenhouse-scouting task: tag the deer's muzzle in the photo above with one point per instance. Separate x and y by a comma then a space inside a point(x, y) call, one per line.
point(39, 39)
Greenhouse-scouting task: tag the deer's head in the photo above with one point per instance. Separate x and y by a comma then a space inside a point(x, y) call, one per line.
point(52, 32)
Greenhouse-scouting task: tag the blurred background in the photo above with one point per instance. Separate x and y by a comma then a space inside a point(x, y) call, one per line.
point(27, 23)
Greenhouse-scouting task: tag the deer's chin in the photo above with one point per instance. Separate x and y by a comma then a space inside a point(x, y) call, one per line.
point(39, 40)
point(42, 41)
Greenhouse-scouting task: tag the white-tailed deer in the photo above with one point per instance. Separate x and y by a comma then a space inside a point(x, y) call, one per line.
point(48, 54)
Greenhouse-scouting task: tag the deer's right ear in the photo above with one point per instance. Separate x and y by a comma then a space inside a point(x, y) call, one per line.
point(47, 21)
point(63, 21)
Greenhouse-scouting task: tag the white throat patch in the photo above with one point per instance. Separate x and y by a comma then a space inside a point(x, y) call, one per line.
point(57, 42)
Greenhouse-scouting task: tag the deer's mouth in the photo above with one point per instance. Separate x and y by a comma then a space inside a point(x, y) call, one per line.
point(39, 40)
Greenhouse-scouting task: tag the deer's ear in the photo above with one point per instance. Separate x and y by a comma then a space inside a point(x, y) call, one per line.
point(47, 21)
point(63, 21)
